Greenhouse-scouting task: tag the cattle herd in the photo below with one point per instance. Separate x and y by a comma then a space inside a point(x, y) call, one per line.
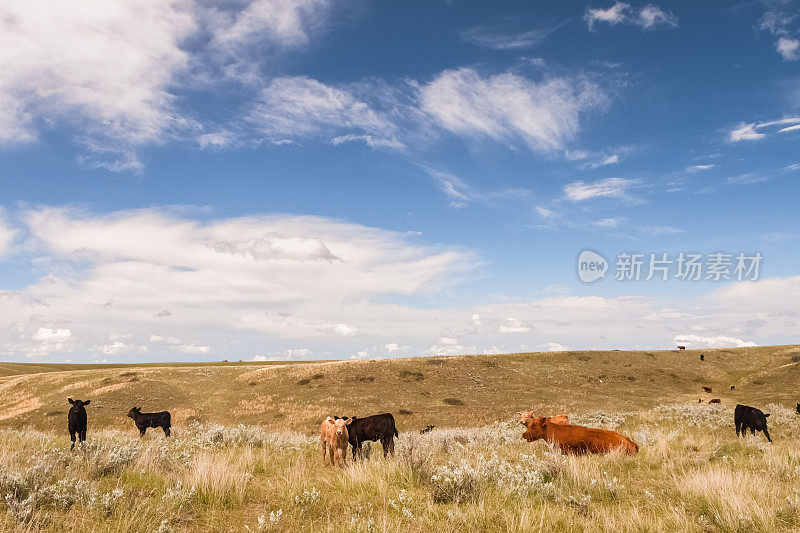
point(336, 432)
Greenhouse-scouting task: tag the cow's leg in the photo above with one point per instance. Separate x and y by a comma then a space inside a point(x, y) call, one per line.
point(141, 431)
point(738, 428)
point(752, 430)
point(385, 446)
point(766, 434)
point(166, 430)
point(354, 447)
point(324, 449)
point(82, 436)
point(391, 445)
point(337, 456)
point(72, 438)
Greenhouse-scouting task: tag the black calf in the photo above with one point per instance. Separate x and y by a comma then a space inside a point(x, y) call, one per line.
point(746, 417)
point(76, 421)
point(150, 420)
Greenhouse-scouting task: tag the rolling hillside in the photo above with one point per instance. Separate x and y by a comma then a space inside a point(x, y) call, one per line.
point(446, 391)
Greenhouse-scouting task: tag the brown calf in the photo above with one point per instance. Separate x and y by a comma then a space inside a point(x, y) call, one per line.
point(334, 439)
point(715, 400)
point(578, 439)
point(706, 388)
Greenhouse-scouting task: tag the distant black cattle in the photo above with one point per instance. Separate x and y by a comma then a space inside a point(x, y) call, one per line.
point(150, 420)
point(733, 387)
point(715, 400)
point(372, 428)
point(429, 428)
point(681, 347)
point(702, 357)
point(76, 420)
point(749, 417)
point(706, 388)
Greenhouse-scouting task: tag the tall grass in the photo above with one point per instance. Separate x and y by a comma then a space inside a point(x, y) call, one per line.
point(692, 474)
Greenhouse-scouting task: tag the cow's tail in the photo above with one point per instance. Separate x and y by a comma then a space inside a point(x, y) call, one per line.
point(395, 432)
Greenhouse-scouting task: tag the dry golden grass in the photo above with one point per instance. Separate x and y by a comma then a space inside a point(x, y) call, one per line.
point(473, 473)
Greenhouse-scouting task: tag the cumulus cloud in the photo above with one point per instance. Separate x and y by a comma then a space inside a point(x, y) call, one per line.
point(720, 341)
point(115, 272)
point(608, 188)
point(647, 17)
point(788, 48)
point(509, 108)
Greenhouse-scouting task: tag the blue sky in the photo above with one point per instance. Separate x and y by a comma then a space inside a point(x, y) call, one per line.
point(193, 180)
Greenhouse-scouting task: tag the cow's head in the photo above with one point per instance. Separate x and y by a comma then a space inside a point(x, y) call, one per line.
point(340, 426)
point(78, 404)
point(134, 411)
point(536, 427)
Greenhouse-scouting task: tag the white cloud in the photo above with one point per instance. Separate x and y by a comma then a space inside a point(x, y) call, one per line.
point(788, 48)
point(655, 231)
point(545, 212)
point(103, 66)
point(750, 132)
point(780, 20)
point(506, 40)
point(552, 347)
point(513, 325)
point(118, 347)
point(699, 168)
point(607, 188)
point(613, 222)
point(52, 335)
point(509, 108)
point(259, 358)
point(745, 132)
point(192, 349)
point(647, 17)
point(298, 107)
point(112, 71)
point(7, 236)
point(720, 341)
point(107, 277)
point(612, 15)
point(461, 194)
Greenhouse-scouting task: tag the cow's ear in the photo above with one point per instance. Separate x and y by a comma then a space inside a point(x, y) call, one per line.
point(87, 402)
point(766, 415)
point(348, 422)
point(70, 400)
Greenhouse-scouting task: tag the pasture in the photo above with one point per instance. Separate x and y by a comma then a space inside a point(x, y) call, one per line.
point(245, 455)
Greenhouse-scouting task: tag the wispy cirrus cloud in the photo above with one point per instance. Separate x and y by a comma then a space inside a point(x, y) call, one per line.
point(754, 131)
point(649, 16)
point(111, 71)
point(462, 194)
point(510, 108)
point(781, 20)
point(498, 38)
point(579, 191)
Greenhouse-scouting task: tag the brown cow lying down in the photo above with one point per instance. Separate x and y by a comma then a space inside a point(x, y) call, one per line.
point(527, 416)
point(334, 439)
point(578, 439)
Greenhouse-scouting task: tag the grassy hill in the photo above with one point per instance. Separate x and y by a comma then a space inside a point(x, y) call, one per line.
point(467, 390)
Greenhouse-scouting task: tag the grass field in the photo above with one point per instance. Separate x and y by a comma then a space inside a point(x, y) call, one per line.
point(244, 455)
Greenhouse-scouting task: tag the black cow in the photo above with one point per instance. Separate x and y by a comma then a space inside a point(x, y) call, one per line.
point(76, 421)
point(150, 420)
point(426, 430)
point(702, 357)
point(798, 408)
point(749, 417)
point(372, 428)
